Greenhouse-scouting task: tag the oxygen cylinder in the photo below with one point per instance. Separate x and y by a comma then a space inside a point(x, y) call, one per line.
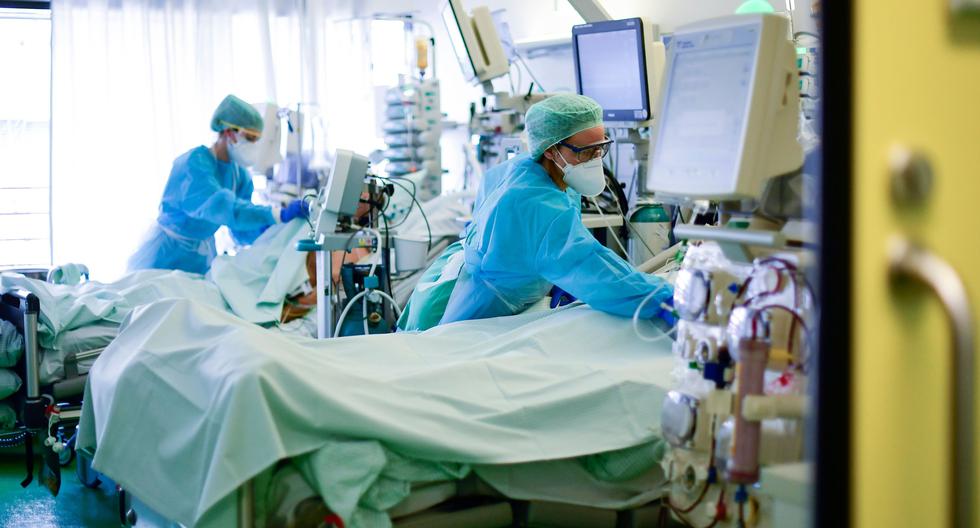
point(652, 223)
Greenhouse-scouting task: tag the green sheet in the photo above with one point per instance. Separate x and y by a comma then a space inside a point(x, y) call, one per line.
point(223, 401)
point(251, 284)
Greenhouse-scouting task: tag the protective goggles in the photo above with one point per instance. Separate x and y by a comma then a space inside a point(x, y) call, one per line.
point(251, 135)
point(595, 150)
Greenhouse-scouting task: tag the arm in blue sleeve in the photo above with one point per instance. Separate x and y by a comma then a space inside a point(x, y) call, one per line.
point(204, 199)
point(245, 189)
point(572, 259)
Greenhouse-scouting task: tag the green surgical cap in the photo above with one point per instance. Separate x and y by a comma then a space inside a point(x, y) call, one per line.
point(755, 6)
point(557, 118)
point(233, 110)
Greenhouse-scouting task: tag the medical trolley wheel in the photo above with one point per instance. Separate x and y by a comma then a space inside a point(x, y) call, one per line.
point(86, 475)
point(65, 456)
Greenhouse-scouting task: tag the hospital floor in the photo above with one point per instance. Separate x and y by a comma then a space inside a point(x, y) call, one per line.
point(76, 506)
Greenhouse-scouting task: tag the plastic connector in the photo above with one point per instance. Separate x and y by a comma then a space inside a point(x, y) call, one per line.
point(371, 282)
point(715, 373)
point(719, 402)
point(307, 244)
point(669, 316)
point(741, 495)
point(721, 511)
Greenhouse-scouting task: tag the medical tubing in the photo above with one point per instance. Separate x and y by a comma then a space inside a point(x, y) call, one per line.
point(387, 180)
point(398, 311)
point(611, 232)
point(530, 72)
point(309, 221)
point(387, 244)
point(374, 266)
point(343, 314)
point(797, 320)
point(364, 319)
point(636, 318)
point(415, 188)
point(629, 225)
point(421, 211)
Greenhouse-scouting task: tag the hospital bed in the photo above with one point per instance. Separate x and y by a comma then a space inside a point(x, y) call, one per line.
point(65, 328)
point(608, 398)
point(56, 376)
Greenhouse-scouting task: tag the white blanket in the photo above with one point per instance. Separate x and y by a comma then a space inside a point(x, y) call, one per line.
point(189, 402)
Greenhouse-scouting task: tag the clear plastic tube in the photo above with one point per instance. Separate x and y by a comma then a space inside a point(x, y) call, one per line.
point(636, 319)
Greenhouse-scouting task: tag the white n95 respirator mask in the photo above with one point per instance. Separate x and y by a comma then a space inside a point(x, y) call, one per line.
point(587, 177)
point(243, 152)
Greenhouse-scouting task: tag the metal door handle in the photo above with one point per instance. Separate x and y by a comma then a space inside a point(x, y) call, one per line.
point(910, 261)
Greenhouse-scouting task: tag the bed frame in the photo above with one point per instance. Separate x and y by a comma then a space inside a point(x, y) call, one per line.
point(22, 309)
point(473, 505)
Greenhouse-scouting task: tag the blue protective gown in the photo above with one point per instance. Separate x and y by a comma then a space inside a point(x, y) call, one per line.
point(202, 194)
point(526, 236)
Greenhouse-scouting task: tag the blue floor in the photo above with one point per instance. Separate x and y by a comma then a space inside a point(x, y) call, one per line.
point(35, 507)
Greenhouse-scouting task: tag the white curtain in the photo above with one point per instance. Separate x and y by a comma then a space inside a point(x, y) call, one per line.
point(134, 85)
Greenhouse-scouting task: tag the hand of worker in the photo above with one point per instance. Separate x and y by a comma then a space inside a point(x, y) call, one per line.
point(295, 209)
point(560, 297)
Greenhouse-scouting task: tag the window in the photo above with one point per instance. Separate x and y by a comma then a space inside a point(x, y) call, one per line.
point(25, 57)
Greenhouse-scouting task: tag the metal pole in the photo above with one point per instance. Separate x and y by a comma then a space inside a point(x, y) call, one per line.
point(246, 505)
point(590, 10)
point(31, 356)
point(324, 297)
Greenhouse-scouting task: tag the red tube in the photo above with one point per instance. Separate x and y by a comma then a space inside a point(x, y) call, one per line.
point(743, 465)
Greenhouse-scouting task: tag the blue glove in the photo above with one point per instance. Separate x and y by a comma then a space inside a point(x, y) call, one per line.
point(295, 209)
point(560, 297)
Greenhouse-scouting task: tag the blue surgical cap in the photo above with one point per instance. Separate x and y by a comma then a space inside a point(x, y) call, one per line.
point(234, 111)
point(557, 118)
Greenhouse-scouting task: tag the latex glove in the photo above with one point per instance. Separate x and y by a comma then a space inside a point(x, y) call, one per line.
point(295, 209)
point(560, 297)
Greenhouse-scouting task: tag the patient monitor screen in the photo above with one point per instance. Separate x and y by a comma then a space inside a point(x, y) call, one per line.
point(610, 68)
point(707, 96)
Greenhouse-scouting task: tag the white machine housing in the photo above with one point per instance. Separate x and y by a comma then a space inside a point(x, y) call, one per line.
point(651, 63)
point(342, 193)
point(475, 40)
point(721, 135)
point(340, 196)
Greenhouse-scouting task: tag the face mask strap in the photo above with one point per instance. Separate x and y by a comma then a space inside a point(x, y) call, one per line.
point(567, 164)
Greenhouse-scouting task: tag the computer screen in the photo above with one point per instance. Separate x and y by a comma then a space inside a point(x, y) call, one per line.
point(610, 67)
point(706, 108)
point(453, 21)
point(729, 115)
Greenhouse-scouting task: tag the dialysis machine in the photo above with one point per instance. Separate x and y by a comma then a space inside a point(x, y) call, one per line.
point(727, 128)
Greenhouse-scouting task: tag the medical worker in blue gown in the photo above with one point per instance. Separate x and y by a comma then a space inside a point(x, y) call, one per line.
point(527, 233)
point(209, 188)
